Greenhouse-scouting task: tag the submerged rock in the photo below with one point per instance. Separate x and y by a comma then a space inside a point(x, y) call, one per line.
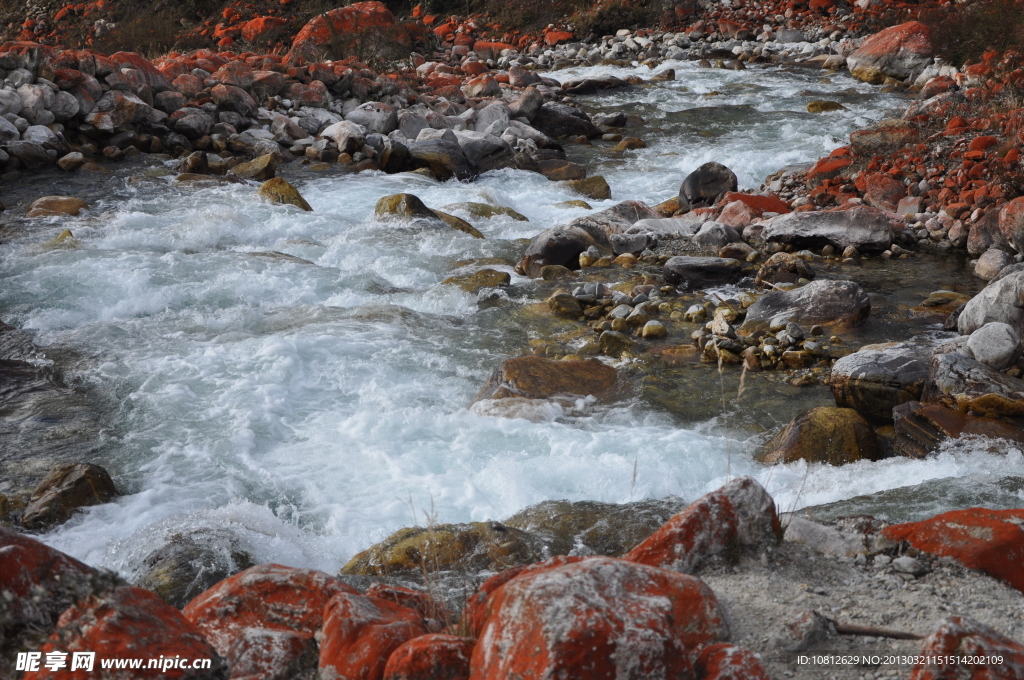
point(279, 191)
point(189, 564)
point(592, 527)
point(920, 429)
point(485, 210)
point(485, 278)
point(67, 488)
point(823, 435)
point(534, 377)
point(470, 548)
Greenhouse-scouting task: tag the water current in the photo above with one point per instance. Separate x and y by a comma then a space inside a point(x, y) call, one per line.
point(312, 406)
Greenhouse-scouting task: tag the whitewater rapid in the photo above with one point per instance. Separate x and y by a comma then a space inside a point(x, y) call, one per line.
point(312, 405)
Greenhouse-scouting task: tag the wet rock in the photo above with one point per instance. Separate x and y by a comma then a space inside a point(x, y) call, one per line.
point(564, 304)
point(878, 378)
point(262, 168)
point(485, 278)
point(704, 185)
point(534, 377)
point(613, 343)
point(280, 191)
point(1000, 301)
point(64, 490)
point(360, 633)
point(899, 52)
point(839, 303)
point(783, 268)
point(866, 229)
point(995, 344)
point(700, 272)
point(921, 429)
point(826, 434)
point(605, 610)
point(561, 170)
point(56, 205)
point(990, 541)
point(991, 262)
point(964, 384)
point(592, 527)
point(469, 548)
point(189, 564)
point(822, 106)
point(444, 158)
point(458, 224)
point(956, 645)
point(724, 661)
point(559, 120)
point(652, 330)
point(431, 657)
point(37, 584)
point(264, 618)
point(485, 210)
point(739, 515)
point(595, 187)
point(403, 206)
point(122, 621)
point(555, 246)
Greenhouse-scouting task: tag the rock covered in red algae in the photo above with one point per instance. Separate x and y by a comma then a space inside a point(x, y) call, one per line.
point(991, 541)
point(129, 623)
point(740, 514)
point(594, 617)
point(897, 52)
point(264, 618)
point(958, 639)
point(360, 633)
point(431, 657)
point(724, 661)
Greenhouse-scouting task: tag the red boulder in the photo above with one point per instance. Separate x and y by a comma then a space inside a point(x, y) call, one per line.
point(130, 623)
point(431, 657)
point(991, 541)
point(897, 52)
point(758, 203)
point(740, 514)
point(360, 633)
point(263, 30)
point(957, 637)
point(357, 18)
point(595, 618)
point(724, 661)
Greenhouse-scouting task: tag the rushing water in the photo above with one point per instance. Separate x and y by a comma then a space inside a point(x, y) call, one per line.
point(311, 408)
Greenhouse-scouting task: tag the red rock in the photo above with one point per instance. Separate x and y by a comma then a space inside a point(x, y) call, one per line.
point(431, 657)
point(936, 86)
point(263, 30)
point(239, 615)
point(739, 514)
point(236, 73)
point(1011, 223)
point(477, 608)
point(991, 541)
point(736, 215)
point(555, 37)
point(154, 78)
point(758, 203)
point(882, 191)
point(38, 582)
point(982, 143)
point(482, 86)
point(597, 618)
point(956, 125)
point(957, 637)
point(128, 622)
point(360, 633)
point(489, 50)
point(474, 68)
point(188, 85)
point(821, 5)
point(827, 168)
point(898, 52)
point(357, 18)
point(231, 98)
point(724, 661)
point(433, 612)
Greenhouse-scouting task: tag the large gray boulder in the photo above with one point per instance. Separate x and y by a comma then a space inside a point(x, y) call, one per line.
point(485, 151)
point(375, 117)
point(995, 344)
point(964, 384)
point(700, 272)
point(685, 225)
point(704, 185)
point(1002, 300)
point(899, 52)
point(617, 219)
point(715, 235)
point(556, 246)
point(867, 229)
point(444, 158)
point(841, 303)
point(875, 379)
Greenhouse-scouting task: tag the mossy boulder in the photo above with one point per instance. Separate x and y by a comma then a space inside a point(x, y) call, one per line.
point(823, 106)
point(534, 377)
point(458, 224)
point(485, 210)
point(262, 168)
point(280, 191)
point(595, 187)
point(410, 207)
point(823, 435)
point(485, 278)
point(191, 564)
point(595, 528)
point(470, 548)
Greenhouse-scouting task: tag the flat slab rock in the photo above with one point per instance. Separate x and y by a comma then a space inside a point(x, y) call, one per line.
point(533, 377)
point(840, 303)
point(867, 229)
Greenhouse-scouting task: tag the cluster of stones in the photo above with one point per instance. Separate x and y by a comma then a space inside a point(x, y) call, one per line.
point(640, 615)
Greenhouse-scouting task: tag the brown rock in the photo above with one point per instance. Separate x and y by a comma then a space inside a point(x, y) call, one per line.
point(56, 205)
point(485, 278)
point(595, 187)
point(67, 488)
point(280, 191)
point(262, 168)
point(783, 268)
point(535, 377)
point(920, 429)
point(823, 435)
